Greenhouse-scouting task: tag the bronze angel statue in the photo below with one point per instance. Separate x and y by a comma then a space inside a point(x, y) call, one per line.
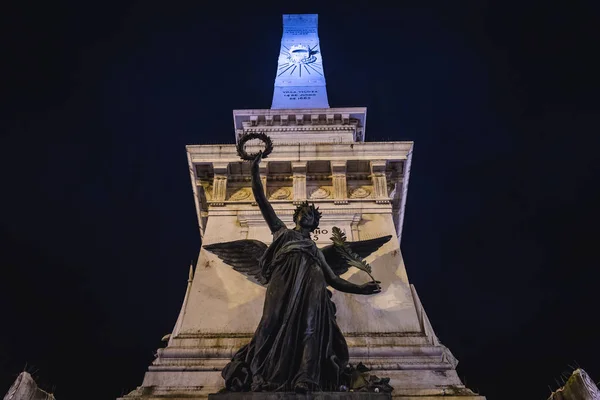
point(297, 345)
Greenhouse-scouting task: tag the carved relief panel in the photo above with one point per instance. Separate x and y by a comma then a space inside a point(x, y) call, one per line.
point(240, 194)
point(280, 193)
point(319, 192)
point(360, 192)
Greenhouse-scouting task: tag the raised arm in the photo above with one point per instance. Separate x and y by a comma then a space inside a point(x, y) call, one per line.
point(259, 195)
point(343, 285)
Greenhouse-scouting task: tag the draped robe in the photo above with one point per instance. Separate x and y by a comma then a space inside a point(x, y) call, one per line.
point(298, 339)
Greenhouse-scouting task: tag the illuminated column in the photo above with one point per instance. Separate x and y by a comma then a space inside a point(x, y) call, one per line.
point(299, 177)
point(338, 176)
point(219, 183)
point(378, 178)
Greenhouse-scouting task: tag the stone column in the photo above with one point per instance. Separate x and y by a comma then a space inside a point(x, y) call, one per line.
point(379, 179)
point(338, 176)
point(299, 177)
point(219, 183)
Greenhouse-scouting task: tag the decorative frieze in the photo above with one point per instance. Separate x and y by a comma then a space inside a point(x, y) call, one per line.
point(285, 151)
point(281, 193)
point(361, 192)
point(320, 193)
point(240, 194)
point(301, 128)
point(338, 180)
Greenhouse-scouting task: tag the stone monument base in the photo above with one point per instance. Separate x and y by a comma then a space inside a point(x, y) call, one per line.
point(310, 396)
point(296, 396)
point(418, 365)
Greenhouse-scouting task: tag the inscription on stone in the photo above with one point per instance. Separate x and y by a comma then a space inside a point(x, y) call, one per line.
point(322, 234)
point(301, 31)
point(299, 94)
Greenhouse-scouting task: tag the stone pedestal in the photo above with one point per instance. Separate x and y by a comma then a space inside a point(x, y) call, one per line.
point(308, 396)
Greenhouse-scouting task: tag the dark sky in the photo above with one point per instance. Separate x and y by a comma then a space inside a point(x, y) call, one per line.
point(98, 224)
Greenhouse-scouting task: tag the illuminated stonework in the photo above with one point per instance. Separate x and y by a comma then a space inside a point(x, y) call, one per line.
point(300, 79)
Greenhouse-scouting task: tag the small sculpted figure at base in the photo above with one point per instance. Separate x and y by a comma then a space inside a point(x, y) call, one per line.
point(297, 345)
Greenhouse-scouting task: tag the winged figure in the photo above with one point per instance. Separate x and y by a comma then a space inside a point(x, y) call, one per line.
point(245, 255)
point(297, 345)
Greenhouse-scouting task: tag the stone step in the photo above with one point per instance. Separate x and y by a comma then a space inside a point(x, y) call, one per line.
point(372, 351)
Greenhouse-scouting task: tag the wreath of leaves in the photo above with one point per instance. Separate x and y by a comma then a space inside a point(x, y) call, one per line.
point(249, 136)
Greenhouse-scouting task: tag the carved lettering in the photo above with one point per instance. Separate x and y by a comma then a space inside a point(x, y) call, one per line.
point(318, 234)
point(299, 94)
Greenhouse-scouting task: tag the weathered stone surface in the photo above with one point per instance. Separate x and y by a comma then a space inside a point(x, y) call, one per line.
point(294, 396)
point(579, 387)
point(25, 388)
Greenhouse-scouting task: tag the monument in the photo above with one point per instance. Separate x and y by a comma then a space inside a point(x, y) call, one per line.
point(319, 157)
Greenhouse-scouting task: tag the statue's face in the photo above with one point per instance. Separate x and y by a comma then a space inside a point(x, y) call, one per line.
point(306, 219)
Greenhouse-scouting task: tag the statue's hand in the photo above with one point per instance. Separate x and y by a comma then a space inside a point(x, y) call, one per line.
point(370, 287)
point(256, 161)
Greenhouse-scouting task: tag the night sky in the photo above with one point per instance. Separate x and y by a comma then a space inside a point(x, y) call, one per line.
point(98, 225)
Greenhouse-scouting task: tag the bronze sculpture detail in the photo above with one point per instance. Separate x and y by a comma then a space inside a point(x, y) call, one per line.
point(297, 345)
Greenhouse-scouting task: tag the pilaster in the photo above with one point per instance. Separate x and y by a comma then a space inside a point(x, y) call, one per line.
point(299, 179)
point(379, 180)
point(219, 183)
point(338, 177)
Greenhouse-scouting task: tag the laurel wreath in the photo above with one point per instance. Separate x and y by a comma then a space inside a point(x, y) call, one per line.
point(249, 136)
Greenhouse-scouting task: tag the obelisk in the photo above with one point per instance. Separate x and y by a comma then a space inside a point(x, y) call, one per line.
point(300, 78)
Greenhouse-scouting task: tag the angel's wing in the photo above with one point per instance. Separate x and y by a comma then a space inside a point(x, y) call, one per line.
point(363, 248)
point(242, 255)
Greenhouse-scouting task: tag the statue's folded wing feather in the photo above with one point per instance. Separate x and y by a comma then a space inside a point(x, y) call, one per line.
point(242, 255)
point(363, 248)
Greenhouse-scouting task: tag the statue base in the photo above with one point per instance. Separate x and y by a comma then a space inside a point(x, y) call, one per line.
point(296, 396)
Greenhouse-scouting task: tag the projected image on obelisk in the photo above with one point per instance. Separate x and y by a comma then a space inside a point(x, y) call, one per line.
point(300, 79)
